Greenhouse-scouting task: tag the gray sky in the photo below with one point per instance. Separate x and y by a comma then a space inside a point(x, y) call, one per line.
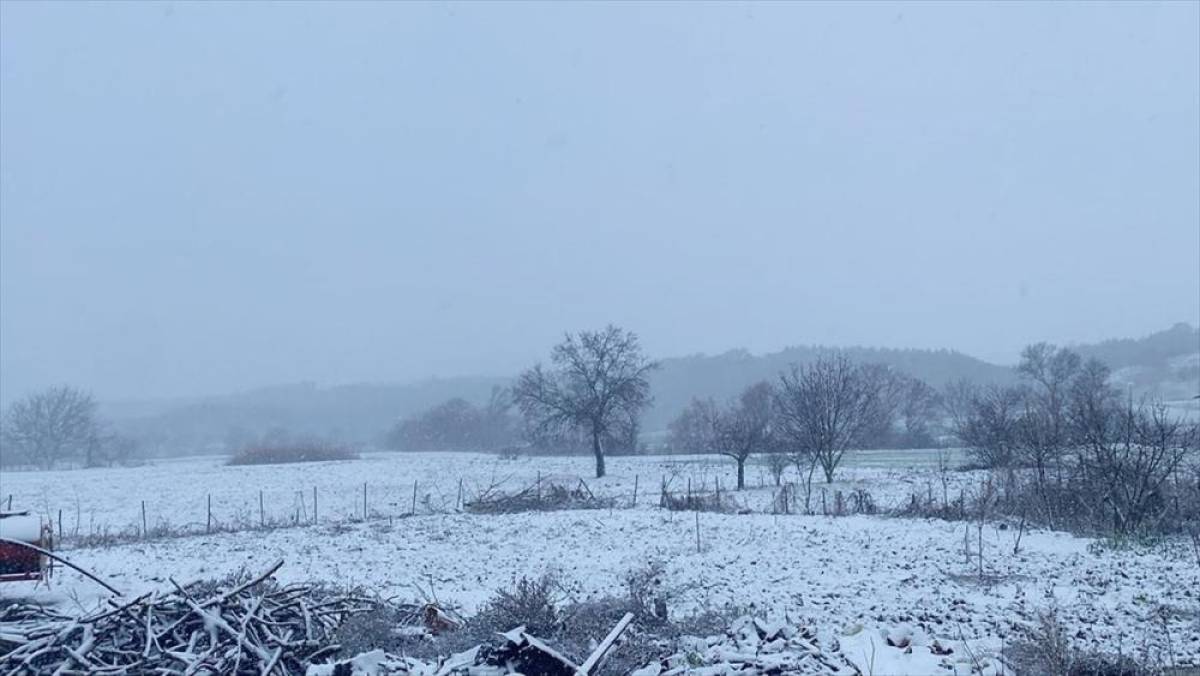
point(200, 198)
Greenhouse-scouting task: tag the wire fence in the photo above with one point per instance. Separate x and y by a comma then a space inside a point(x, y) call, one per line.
point(270, 509)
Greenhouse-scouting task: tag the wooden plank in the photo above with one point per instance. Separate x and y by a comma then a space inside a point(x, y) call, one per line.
point(593, 661)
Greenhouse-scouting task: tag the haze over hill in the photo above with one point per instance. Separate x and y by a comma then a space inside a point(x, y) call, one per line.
point(355, 192)
point(1165, 363)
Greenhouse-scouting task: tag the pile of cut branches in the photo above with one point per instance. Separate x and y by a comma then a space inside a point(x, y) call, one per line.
point(538, 497)
point(254, 627)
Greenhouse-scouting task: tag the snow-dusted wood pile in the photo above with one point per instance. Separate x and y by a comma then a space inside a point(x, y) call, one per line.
point(259, 627)
point(255, 627)
point(543, 495)
point(750, 647)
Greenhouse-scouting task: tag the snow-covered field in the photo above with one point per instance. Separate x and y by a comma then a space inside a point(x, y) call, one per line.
point(178, 492)
point(839, 573)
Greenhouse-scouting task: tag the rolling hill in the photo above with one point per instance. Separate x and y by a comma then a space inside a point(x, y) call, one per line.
point(1166, 363)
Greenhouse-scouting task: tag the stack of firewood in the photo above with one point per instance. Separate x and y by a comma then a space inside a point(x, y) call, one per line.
point(255, 627)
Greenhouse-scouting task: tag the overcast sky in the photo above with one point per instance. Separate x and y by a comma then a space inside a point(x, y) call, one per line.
point(203, 198)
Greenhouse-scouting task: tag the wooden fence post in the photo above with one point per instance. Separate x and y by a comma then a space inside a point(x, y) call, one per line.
point(414, 502)
point(208, 523)
point(144, 530)
point(314, 504)
point(635, 486)
point(262, 512)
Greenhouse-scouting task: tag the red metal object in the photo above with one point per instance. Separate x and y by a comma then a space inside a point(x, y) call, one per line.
point(17, 561)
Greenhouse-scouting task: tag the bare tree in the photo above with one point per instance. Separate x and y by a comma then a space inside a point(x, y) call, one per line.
point(738, 430)
point(905, 412)
point(498, 422)
point(597, 381)
point(691, 430)
point(919, 410)
point(827, 408)
point(744, 427)
point(890, 387)
point(1044, 427)
point(48, 427)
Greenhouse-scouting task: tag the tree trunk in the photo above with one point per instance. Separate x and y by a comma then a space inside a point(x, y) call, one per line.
point(598, 450)
point(741, 473)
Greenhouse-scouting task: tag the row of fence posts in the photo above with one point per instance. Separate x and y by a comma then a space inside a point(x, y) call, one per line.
point(301, 512)
point(787, 496)
point(262, 510)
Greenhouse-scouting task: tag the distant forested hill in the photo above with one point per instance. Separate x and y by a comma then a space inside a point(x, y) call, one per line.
point(1165, 363)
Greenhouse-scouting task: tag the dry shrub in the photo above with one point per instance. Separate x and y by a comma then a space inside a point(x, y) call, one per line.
point(542, 605)
point(275, 454)
point(374, 629)
point(1047, 649)
point(698, 502)
point(533, 603)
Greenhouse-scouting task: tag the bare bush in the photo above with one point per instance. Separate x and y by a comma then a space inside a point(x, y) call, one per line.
point(777, 464)
point(1073, 453)
point(985, 421)
point(1046, 648)
point(1126, 454)
point(697, 501)
point(529, 602)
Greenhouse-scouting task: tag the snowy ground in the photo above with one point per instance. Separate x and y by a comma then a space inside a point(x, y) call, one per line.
point(837, 573)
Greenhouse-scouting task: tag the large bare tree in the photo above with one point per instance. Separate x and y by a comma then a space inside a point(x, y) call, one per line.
point(597, 381)
point(828, 407)
point(50, 426)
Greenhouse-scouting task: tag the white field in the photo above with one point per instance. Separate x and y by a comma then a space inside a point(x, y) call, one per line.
point(835, 572)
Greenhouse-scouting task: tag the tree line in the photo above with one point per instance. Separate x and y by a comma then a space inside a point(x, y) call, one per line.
point(596, 386)
point(1064, 422)
point(1076, 451)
